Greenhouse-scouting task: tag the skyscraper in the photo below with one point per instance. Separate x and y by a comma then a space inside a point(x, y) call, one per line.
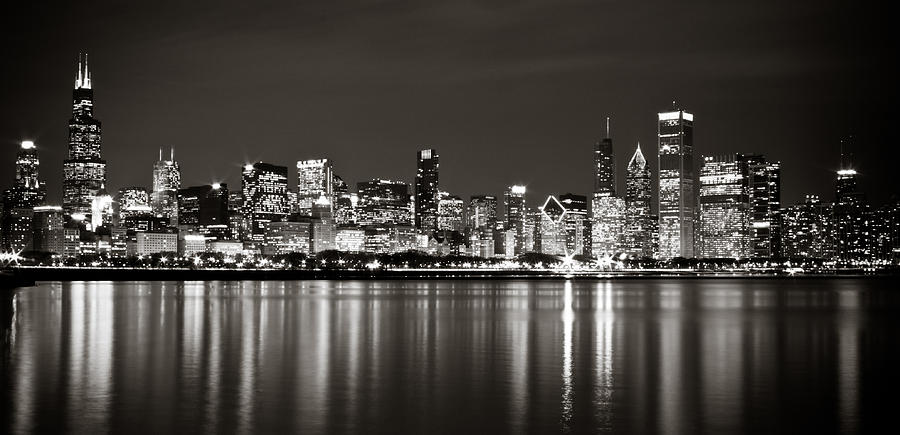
point(724, 207)
point(450, 212)
point(608, 225)
point(807, 230)
point(132, 201)
point(314, 179)
point(482, 211)
point(553, 227)
point(853, 241)
point(604, 166)
point(517, 217)
point(383, 202)
point(764, 194)
point(166, 182)
point(578, 236)
point(84, 172)
point(675, 135)
point(27, 192)
point(265, 194)
point(204, 208)
point(427, 190)
point(638, 217)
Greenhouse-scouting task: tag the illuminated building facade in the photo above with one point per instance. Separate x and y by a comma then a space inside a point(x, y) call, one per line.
point(553, 227)
point(604, 165)
point(852, 218)
point(47, 227)
point(481, 211)
point(19, 201)
point(287, 237)
point(383, 202)
point(639, 240)
point(84, 171)
point(314, 179)
point(265, 194)
point(724, 207)
point(578, 227)
point(205, 209)
point(166, 182)
point(764, 194)
point(517, 217)
point(675, 134)
point(426, 200)
point(808, 229)
point(450, 212)
point(132, 201)
point(608, 226)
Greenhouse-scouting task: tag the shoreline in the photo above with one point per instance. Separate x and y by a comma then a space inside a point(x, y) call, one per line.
point(28, 276)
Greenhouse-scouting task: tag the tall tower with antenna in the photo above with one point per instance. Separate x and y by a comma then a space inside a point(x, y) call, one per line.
point(604, 166)
point(166, 182)
point(84, 171)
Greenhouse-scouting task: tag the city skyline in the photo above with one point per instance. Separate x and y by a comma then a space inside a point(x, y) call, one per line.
point(810, 85)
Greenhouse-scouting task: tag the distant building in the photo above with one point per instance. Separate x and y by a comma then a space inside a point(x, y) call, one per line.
point(639, 240)
point(450, 212)
point(675, 134)
point(166, 182)
point(553, 227)
point(383, 202)
point(517, 218)
point(47, 225)
point(852, 219)
point(205, 209)
point(808, 229)
point(287, 237)
point(724, 207)
point(190, 244)
point(764, 195)
point(350, 239)
point(314, 179)
point(608, 225)
point(265, 189)
point(604, 166)
point(18, 202)
point(426, 199)
point(147, 243)
point(132, 201)
point(84, 171)
point(578, 224)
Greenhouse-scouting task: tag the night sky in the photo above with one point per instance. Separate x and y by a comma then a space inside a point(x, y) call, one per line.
point(506, 91)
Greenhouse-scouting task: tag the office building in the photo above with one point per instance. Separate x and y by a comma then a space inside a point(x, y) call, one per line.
point(450, 212)
point(383, 202)
point(166, 182)
point(314, 179)
point(808, 229)
point(604, 166)
point(517, 218)
point(84, 171)
point(426, 199)
point(675, 134)
point(265, 195)
point(724, 207)
point(638, 232)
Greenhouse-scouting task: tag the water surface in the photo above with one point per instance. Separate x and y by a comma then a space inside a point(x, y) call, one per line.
point(628, 356)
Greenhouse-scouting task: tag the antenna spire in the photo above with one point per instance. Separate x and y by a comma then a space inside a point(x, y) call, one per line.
point(172, 155)
point(607, 127)
point(160, 154)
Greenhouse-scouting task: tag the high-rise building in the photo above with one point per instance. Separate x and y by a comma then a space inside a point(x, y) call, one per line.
point(132, 201)
point(608, 225)
point(481, 211)
point(265, 194)
point(84, 171)
point(808, 230)
point(764, 194)
point(853, 241)
point(19, 201)
point(553, 227)
point(604, 165)
point(314, 179)
point(638, 215)
point(166, 182)
point(427, 190)
point(450, 212)
point(724, 207)
point(517, 217)
point(578, 226)
point(204, 209)
point(47, 226)
point(675, 134)
point(383, 202)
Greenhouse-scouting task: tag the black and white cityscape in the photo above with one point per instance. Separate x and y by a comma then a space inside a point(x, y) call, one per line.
point(695, 211)
point(464, 217)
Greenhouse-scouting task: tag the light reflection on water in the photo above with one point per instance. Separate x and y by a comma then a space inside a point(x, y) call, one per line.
point(648, 356)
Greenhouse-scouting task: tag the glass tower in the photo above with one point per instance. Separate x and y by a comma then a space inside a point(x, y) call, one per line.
point(314, 179)
point(166, 182)
point(427, 190)
point(265, 195)
point(638, 216)
point(604, 166)
point(675, 134)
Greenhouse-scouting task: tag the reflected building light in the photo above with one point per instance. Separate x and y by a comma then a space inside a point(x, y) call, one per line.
point(568, 394)
point(603, 355)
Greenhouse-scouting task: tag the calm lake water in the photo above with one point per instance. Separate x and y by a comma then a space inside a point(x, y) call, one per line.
point(629, 356)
